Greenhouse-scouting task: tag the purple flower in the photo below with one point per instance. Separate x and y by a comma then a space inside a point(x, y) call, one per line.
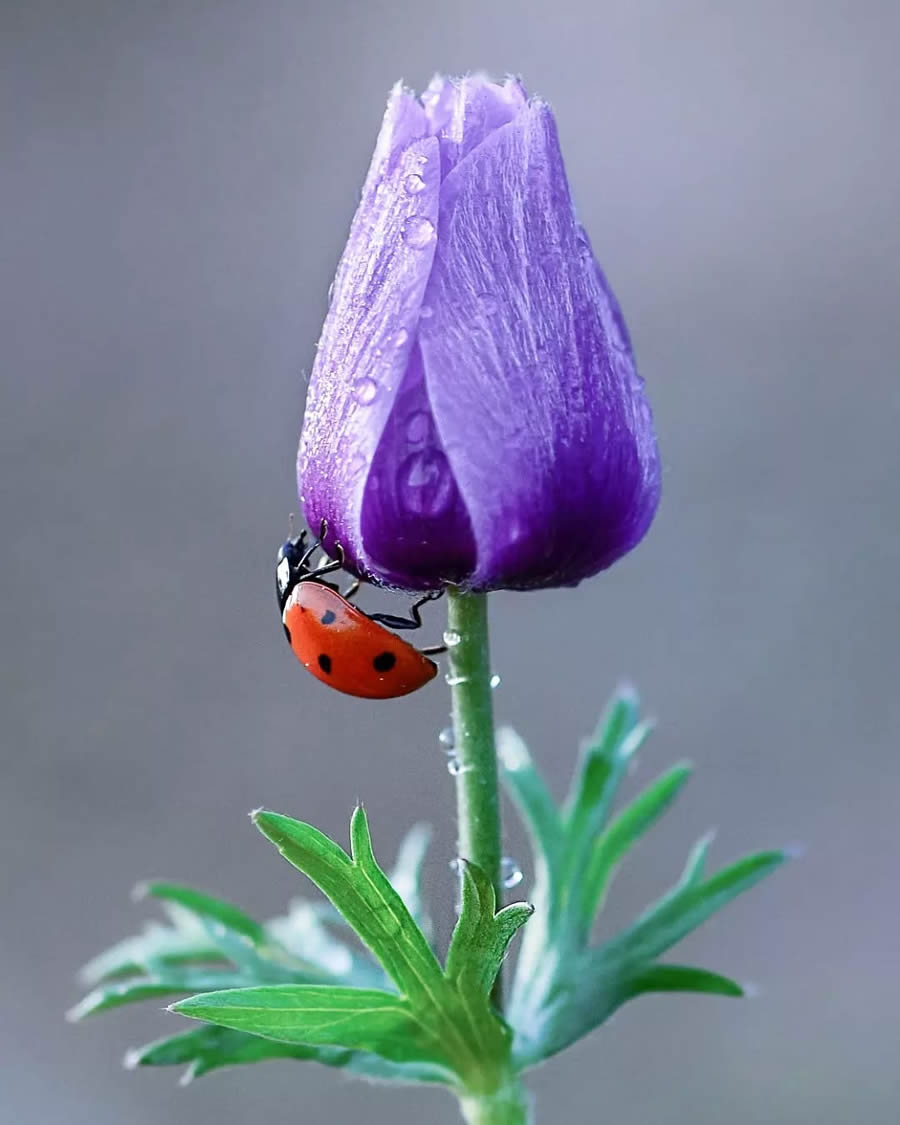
point(474, 414)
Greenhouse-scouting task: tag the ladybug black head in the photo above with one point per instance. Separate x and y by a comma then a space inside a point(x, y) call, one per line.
point(289, 567)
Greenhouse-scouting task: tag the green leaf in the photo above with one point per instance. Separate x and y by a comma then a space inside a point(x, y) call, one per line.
point(562, 987)
point(406, 874)
point(591, 783)
point(679, 978)
point(688, 906)
point(473, 1041)
point(303, 934)
point(356, 1018)
point(210, 1048)
point(596, 988)
point(531, 797)
point(205, 906)
point(110, 996)
point(630, 824)
point(481, 936)
point(359, 889)
point(157, 945)
point(238, 937)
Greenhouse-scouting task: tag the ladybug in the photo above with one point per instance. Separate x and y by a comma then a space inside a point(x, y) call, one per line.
point(351, 651)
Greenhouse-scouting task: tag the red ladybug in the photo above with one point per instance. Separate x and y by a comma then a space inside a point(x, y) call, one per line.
point(350, 650)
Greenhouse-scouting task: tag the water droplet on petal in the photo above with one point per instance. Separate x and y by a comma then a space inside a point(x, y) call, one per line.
point(494, 681)
point(447, 738)
point(451, 638)
point(401, 338)
point(413, 184)
point(425, 312)
point(418, 232)
point(510, 873)
point(426, 484)
point(418, 427)
point(365, 390)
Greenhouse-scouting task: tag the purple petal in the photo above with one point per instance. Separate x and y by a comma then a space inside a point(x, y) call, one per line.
point(463, 112)
point(370, 329)
point(528, 370)
point(416, 531)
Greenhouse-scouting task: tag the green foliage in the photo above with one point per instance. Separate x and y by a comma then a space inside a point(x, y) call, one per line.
point(564, 987)
point(354, 982)
point(291, 988)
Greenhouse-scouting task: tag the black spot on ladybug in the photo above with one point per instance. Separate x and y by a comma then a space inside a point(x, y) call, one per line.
point(328, 616)
point(384, 661)
point(325, 662)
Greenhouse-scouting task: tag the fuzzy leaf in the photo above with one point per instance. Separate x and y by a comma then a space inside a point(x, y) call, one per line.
point(210, 1048)
point(174, 981)
point(355, 1018)
point(156, 946)
point(612, 845)
point(590, 787)
point(531, 797)
point(688, 906)
point(481, 936)
point(204, 906)
point(679, 978)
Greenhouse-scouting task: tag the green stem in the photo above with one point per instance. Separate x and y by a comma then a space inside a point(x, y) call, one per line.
point(477, 795)
point(478, 806)
point(509, 1106)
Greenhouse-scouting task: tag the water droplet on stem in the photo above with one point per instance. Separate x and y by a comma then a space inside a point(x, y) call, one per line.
point(510, 873)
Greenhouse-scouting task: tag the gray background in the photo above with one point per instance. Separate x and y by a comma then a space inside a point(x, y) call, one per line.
point(177, 182)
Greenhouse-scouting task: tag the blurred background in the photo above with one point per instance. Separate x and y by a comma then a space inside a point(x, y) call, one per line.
point(178, 179)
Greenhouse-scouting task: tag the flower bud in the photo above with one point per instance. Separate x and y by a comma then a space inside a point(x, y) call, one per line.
point(474, 415)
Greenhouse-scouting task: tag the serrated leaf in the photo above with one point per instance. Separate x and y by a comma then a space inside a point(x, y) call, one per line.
point(211, 1048)
point(627, 827)
point(359, 1019)
point(481, 936)
point(360, 890)
point(157, 945)
point(110, 996)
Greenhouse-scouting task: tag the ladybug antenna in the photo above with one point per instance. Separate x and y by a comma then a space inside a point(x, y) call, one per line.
point(291, 525)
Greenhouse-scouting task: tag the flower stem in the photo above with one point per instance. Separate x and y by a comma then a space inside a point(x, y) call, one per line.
point(508, 1106)
point(477, 797)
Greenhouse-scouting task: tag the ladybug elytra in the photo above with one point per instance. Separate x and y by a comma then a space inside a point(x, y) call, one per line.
point(354, 652)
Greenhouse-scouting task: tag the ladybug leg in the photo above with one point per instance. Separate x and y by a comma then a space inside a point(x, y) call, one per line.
point(329, 567)
point(433, 650)
point(315, 545)
point(414, 621)
point(352, 590)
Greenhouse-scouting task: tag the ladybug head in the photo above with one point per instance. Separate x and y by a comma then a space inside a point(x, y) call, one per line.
point(289, 567)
